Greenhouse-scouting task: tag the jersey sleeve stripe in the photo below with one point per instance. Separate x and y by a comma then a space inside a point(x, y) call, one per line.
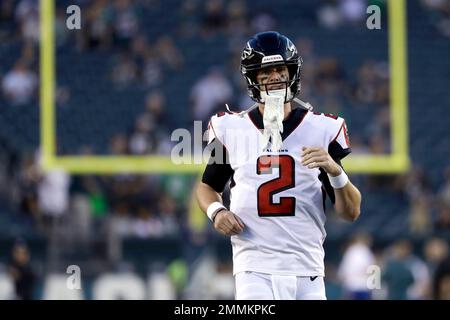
point(337, 135)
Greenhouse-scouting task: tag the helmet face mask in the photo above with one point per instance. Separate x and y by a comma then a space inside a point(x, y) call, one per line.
point(269, 49)
point(273, 81)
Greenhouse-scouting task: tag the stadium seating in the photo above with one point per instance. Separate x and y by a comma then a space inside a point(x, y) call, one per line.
point(96, 110)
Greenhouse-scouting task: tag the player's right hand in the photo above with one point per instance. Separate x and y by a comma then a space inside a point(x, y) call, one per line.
point(227, 223)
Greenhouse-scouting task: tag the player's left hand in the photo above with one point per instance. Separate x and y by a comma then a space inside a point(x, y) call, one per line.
point(314, 157)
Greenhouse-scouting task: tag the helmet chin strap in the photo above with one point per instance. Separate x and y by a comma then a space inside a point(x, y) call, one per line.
point(304, 105)
point(301, 103)
point(282, 93)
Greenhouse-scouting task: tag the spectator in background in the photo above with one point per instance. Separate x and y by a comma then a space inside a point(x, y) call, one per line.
point(62, 33)
point(21, 272)
point(353, 11)
point(358, 145)
point(152, 73)
point(369, 89)
point(444, 191)
point(126, 22)
point(27, 182)
point(119, 144)
point(214, 18)
point(83, 209)
point(124, 72)
point(421, 288)
point(19, 85)
point(237, 18)
point(343, 12)
point(27, 15)
point(435, 251)
point(329, 16)
point(170, 55)
point(155, 104)
point(244, 101)
point(120, 223)
point(365, 85)
point(169, 216)
point(263, 21)
point(147, 224)
point(138, 48)
point(178, 187)
point(144, 139)
point(397, 272)
point(309, 71)
point(354, 267)
point(420, 216)
point(436, 255)
point(415, 183)
point(209, 93)
point(97, 26)
point(442, 223)
point(6, 15)
point(377, 144)
point(440, 15)
point(441, 283)
point(96, 199)
point(188, 24)
point(330, 77)
point(53, 196)
point(381, 125)
point(149, 133)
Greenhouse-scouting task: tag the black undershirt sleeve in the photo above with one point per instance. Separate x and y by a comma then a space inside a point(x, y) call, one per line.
point(218, 170)
point(337, 153)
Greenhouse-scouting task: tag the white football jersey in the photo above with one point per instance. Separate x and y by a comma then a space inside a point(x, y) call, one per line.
point(280, 201)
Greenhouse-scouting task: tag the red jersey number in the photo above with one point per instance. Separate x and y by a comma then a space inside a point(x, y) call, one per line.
point(285, 181)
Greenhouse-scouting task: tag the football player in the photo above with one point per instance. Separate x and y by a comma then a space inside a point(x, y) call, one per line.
point(282, 161)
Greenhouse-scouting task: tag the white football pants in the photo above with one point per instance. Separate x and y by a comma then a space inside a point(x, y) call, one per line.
point(263, 286)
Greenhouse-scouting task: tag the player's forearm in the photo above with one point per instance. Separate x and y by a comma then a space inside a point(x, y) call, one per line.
point(348, 202)
point(206, 195)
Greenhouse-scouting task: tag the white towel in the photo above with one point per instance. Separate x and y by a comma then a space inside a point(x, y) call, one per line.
point(273, 118)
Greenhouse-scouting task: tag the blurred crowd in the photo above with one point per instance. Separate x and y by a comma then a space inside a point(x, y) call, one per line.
point(160, 206)
point(395, 272)
point(137, 61)
point(439, 15)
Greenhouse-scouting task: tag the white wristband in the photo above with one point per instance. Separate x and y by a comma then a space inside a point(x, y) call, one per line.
point(339, 181)
point(213, 208)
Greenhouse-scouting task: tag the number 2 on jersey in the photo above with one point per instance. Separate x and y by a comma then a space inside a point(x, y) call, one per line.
point(285, 181)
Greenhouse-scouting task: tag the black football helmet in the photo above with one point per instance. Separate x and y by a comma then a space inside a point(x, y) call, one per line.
point(271, 49)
